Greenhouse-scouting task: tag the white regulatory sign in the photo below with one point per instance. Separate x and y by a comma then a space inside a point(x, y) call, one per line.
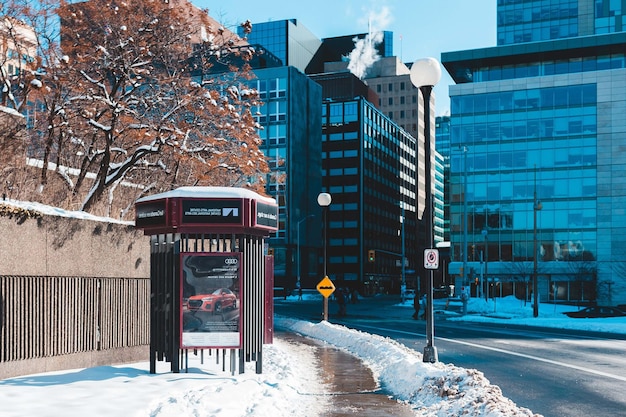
point(431, 258)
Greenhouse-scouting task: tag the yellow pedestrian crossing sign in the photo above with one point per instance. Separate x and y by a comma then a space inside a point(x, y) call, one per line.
point(326, 287)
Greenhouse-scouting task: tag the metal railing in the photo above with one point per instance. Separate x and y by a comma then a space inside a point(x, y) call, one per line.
point(43, 317)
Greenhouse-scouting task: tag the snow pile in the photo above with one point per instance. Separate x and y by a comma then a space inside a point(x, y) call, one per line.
point(275, 392)
point(431, 389)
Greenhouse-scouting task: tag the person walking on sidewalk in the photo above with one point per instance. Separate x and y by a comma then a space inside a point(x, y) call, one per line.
point(341, 300)
point(416, 306)
point(423, 305)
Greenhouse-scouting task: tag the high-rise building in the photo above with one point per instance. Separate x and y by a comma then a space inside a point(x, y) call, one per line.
point(288, 40)
point(541, 121)
point(442, 144)
point(369, 170)
point(368, 160)
point(291, 139)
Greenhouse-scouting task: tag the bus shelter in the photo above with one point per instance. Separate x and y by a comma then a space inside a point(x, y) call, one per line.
point(211, 278)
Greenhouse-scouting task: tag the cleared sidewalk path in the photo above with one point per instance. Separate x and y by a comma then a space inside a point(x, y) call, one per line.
point(351, 384)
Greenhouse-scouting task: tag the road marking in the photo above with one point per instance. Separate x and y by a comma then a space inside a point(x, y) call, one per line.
point(510, 352)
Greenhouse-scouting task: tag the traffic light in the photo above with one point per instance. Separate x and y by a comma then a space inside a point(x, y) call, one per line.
point(371, 255)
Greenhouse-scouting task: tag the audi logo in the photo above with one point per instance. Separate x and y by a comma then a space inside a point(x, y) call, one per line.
point(231, 261)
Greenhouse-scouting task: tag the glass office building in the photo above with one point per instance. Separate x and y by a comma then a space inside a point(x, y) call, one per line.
point(369, 164)
point(542, 179)
point(290, 120)
point(288, 40)
point(366, 213)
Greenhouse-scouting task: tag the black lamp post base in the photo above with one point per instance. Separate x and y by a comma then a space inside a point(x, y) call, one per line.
point(430, 354)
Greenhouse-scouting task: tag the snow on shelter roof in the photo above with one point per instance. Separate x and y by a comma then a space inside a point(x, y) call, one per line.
point(209, 192)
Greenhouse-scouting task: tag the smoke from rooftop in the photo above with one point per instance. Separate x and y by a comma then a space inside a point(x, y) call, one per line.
point(364, 54)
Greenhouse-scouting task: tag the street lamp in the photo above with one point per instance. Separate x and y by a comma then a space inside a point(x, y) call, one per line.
point(298, 249)
point(324, 200)
point(536, 207)
point(425, 74)
point(403, 249)
point(484, 233)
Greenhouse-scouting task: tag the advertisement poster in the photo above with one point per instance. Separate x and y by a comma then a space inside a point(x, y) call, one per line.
point(211, 300)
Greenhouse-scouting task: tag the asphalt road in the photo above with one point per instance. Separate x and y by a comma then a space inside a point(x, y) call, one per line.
point(554, 373)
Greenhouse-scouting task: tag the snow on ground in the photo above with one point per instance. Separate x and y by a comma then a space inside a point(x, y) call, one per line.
point(290, 383)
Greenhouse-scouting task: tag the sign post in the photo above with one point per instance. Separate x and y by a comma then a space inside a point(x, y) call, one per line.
point(326, 288)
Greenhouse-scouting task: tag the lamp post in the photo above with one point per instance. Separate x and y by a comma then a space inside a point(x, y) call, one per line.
point(324, 200)
point(486, 289)
point(536, 207)
point(465, 280)
point(298, 249)
point(403, 249)
point(425, 74)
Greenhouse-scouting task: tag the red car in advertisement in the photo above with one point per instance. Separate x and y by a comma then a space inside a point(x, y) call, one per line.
point(218, 301)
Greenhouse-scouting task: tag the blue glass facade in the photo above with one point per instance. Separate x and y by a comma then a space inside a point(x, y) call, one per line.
point(521, 21)
point(536, 20)
point(514, 136)
point(288, 40)
point(541, 125)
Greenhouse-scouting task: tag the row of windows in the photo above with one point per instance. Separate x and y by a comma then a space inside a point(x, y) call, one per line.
point(339, 113)
point(536, 69)
point(558, 158)
point(531, 99)
point(270, 88)
point(401, 99)
point(554, 215)
point(521, 250)
point(539, 20)
point(519, 190)
point(273, 134)
point(340, 136)
point(536, 11)
point(536, 33)
point(507, 130)
point(389, 87)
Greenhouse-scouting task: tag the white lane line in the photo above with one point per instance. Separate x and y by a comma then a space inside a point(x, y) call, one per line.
point(510, 352)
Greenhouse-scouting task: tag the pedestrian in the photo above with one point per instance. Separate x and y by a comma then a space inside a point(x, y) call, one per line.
point(423, 305)
point(354, 296)
point(341, 301)
point(299, 293)
point(416, 306)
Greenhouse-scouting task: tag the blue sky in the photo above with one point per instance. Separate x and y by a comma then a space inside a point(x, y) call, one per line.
point(427, 27)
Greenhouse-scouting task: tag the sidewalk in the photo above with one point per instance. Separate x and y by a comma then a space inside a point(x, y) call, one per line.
point(351, 383)
point(354, 391)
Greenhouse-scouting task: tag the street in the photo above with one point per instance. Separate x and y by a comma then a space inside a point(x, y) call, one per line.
point(552, 372)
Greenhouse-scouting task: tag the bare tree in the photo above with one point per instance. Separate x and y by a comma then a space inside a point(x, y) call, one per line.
point(129, 104)
point(522, 271)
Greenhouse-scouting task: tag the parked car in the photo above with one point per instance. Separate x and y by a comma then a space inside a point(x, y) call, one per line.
point(216, 302)
point(596, 312)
